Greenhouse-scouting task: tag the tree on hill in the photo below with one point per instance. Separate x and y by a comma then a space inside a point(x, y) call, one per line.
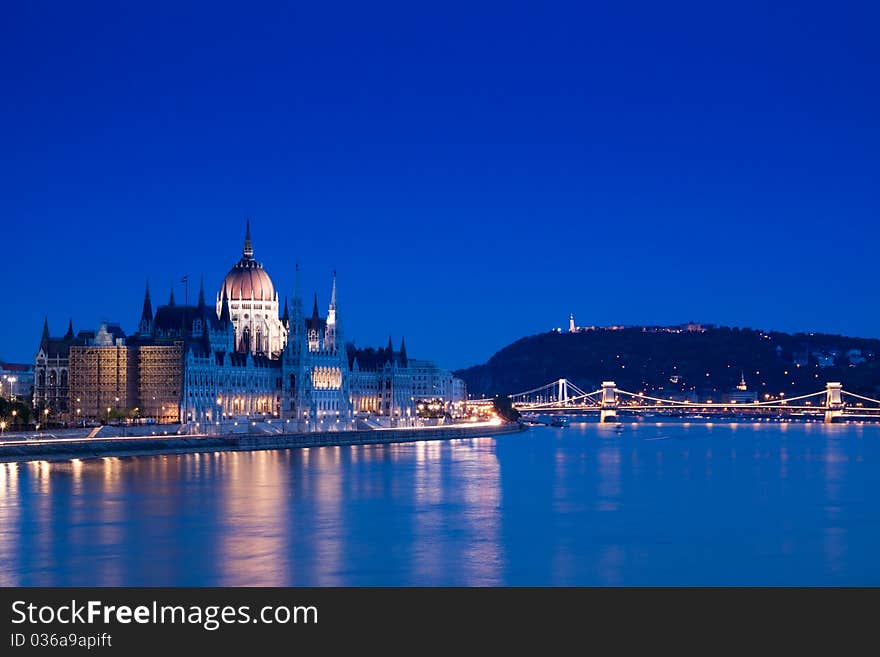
point(668, 362)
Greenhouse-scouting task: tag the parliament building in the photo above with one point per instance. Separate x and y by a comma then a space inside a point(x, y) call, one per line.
point(240, 357)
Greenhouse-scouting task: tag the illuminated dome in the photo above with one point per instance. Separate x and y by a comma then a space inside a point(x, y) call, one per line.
point(247, 279)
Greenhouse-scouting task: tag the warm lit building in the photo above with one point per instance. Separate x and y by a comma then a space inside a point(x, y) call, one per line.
point(239, 358)
point(382, 382)
point(432, 383)
point(102, 377)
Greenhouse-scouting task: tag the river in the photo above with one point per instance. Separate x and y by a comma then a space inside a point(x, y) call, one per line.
point(658, 504)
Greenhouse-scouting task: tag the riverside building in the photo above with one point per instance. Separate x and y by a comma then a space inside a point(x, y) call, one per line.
point(241, 356)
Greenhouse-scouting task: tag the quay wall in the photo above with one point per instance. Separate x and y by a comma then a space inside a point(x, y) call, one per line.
point(57, 450)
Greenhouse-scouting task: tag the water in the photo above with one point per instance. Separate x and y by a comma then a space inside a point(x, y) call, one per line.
point(674, 504)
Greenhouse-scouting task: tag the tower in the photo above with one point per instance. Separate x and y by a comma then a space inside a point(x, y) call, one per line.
point(253, 304)
point(145, 327)
point(330, 331)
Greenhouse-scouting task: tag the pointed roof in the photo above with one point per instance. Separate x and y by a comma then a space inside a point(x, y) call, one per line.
point(171, 298)
point(315, 307)
point(225, 317)
point(285, 316)
point(147, 312)
point(333, 293)
point(403, 359)
point(69, 334)
point(44, 339)
point(248, 251)
point(201, 305)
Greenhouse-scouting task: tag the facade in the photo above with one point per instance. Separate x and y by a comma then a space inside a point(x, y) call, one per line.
point(102, 380)
point(52, 371)
point(382, 382)
point(435, 384)
point(316, 381)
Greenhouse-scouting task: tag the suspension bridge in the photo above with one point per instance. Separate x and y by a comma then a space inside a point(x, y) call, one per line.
point(833, 404)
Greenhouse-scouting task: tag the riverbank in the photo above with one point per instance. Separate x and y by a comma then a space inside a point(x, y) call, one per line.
point(64, 449)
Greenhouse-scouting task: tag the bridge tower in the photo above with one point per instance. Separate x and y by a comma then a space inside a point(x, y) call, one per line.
point(833, 401)
point(609, 402)
point(562, 392)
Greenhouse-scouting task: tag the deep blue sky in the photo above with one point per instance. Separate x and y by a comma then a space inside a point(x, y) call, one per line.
point(474, 173)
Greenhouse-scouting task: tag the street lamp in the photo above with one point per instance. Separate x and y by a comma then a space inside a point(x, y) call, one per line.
point(2, 426)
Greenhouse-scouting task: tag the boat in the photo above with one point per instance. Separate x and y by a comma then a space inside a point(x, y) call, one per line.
point(559, 421)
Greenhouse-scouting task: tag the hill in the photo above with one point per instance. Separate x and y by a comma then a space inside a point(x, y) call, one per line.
point(678, 361)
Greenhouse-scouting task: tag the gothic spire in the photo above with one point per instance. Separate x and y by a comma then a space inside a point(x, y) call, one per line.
point(248, 251)
point(69, 334)
point(285, 316)
point(171, 298)
point(44, 339)
point(333, 293)
point(147, 312)
point(315, 307)
point(403, 359)
point(225, 318)
point(202, 293)
point(389, 351)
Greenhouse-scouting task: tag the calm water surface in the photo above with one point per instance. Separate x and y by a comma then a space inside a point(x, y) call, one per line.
point(670, 504)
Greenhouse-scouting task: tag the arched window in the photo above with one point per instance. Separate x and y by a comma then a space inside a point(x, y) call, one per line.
point(53, 378)
point(42, 377)
point(246, 339)
point(259, 343)
point(63, 378)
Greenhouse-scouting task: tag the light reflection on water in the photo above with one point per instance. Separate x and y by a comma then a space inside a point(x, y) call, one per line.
point(660, 504)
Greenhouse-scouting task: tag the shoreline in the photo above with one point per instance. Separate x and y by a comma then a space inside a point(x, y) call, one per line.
point(64, 450)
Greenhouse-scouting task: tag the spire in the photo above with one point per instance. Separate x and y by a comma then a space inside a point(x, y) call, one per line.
point(225, 318)
point(147, 312)
point(248, 246)
point(331, 310)
point(315, 307)
point(202, 293)
point(44, 339)
point(403, 359)
point(285, 316)
point(171, 298)
point(69, 334)
point(389, 351)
